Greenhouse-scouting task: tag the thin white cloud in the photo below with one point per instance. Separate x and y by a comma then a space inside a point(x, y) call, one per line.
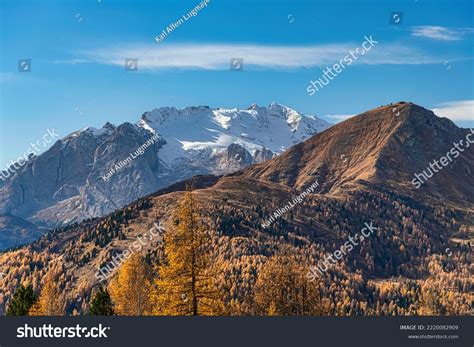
point(218, 56)
point(456, 110)
point(71, 61)
point(440, 33)
point(338, 117)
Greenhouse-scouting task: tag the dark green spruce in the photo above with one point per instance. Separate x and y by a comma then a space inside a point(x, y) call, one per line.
point(22, 300)
point(101, 304)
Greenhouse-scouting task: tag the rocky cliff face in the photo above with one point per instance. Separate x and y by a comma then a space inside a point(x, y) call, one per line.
point(262, 155)
point(236, 157)
point(68, 182)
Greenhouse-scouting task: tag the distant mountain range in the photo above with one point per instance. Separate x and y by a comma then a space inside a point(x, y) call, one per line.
point(364, 167)
point(92, 172)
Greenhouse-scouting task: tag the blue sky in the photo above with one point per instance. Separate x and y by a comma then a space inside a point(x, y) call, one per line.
point(77, 51)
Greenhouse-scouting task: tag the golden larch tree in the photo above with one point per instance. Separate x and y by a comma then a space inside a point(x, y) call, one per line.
point(187, 283)
point(51, 301)
point(130, 288)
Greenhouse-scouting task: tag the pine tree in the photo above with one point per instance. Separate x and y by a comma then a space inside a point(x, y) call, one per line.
point(101, 304)
point(130, 289)
point(22, 301)
point(187, 284)
point(51, 301)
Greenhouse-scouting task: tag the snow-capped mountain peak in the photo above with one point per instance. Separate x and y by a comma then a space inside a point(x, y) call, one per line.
point(94, 171)
point(275, 127)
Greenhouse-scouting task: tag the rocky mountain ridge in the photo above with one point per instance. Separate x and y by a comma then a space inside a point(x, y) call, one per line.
point(92, 172)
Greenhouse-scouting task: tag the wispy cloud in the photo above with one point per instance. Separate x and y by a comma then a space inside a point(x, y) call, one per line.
point(218, 56)
point(440, 33)
point(338, 117)
point(71, 61)
point(456, 110)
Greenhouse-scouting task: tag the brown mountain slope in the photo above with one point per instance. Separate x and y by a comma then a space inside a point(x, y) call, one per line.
point(383, 151)
point(386, 147)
